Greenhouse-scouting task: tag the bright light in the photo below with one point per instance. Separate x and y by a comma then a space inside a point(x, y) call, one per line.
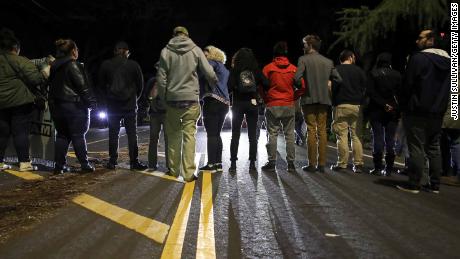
point(230, 115)
point(102, 115)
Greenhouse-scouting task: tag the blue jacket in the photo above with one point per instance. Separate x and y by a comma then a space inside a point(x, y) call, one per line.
point(220, 90)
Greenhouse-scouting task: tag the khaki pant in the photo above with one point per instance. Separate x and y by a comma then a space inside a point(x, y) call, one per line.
point(348, 117)
point(180, 126)
point(280, 117)
point(316, 117)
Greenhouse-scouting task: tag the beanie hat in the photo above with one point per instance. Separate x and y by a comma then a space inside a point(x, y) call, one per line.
point(121, 45)
point(180, 29)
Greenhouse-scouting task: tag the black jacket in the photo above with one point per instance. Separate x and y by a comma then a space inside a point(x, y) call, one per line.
point(426, 86)
point(133, 80)
point(69, 83)
point(383, 88)
point(352, 87)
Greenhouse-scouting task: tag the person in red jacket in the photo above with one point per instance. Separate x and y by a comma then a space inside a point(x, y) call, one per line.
point(280, 109)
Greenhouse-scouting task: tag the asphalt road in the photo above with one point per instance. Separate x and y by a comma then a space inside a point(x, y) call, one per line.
point(247, 215)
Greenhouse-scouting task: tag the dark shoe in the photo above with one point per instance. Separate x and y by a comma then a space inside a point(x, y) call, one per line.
point(321, 169)
point(358, 169)
point(194, 177)
point(218, 167)
point(110, 166)
point(408, 188)
point(309, 169)
point(87, 168)
point(153, 167)
point(60, 170)
point(376, 171)
point(338, 169)
point(269, 166)
point(208, 167)
point(432, 188)
point(137, 166)
point(232, 166)
point(252, 166)
point(387, 172)
point(291, 166)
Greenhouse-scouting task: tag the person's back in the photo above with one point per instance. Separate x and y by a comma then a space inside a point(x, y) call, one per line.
point(280, 73)
point(352, 87)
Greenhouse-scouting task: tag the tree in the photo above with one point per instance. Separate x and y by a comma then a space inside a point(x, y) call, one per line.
point(362, 27)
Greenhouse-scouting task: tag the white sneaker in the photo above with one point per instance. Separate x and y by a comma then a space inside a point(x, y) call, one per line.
point(26, 166)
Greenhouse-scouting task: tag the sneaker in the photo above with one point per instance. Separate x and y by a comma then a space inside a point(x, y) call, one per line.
point(232, 166)
point(309, 169)
point(338, 169)
point(218, 167)
point(60, 170)
point(208, 167)
point(291, 166)
point(408, 188)
point(252, 166)
point(26, 166)
point(358, 169)
point(87, 168)
point(137, 166)
point(269, 166)
point(4, 166)
point(432, 188)
point(193, 178)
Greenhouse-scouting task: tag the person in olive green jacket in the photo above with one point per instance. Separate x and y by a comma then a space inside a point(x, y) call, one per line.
point(17, 74)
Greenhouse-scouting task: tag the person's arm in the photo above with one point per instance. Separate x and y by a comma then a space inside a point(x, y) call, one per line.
point(162, 74)
point(80, 83)
point(29, 72)
point(139, 80)
point(299, 73)
point(410, 80)
point(372, 92)
point(206, 68)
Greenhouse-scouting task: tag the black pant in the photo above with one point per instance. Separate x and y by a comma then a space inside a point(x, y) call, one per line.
point(71, 121)
point(129, 119)
point(239, 109)
point(214, 113)
point(423, 137)
point(383, 132)
point(16, 121)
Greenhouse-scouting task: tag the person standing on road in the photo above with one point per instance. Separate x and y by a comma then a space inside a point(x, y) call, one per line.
point(71, 97)
point(122, 81)
point(178, 86)
point(18, 75)
point(384, 85)
point(347, 115)
point(424, 99)
point(280, 111)
point(216, 102)
point(317, 72)
point(244, 80)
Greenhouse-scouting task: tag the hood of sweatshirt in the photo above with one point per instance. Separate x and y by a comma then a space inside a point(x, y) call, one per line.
point(281, 62)
point(181, 44)
point(438, 57)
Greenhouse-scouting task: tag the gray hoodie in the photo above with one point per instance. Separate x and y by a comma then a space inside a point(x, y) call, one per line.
point(177, 73)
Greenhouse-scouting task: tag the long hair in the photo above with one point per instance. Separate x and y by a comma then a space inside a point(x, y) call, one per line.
point(244, 59)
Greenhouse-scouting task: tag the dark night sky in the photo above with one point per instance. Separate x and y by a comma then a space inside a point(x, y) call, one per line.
point(147, 25)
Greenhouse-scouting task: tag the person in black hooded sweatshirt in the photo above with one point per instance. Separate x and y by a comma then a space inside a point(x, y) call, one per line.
point(423, 101)
point(244, 103)
point(384, 85)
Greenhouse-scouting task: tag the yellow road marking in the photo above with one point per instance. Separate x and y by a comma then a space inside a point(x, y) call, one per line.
point(25, 175)
point(150, 228)
point(161, 175)
point(175, 241)
point(206, 243)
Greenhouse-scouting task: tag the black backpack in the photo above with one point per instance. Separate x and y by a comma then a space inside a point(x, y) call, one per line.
point(247, 82)
point(117, 87)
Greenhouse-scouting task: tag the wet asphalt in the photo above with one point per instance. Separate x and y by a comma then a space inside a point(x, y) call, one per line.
point(258, 214)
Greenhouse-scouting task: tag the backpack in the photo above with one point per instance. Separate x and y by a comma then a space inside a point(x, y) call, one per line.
point(247, 82)
point(117, 87)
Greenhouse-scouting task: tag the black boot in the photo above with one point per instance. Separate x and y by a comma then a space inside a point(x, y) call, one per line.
point(252, 165)
point(232, 166)
point(378, 166)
